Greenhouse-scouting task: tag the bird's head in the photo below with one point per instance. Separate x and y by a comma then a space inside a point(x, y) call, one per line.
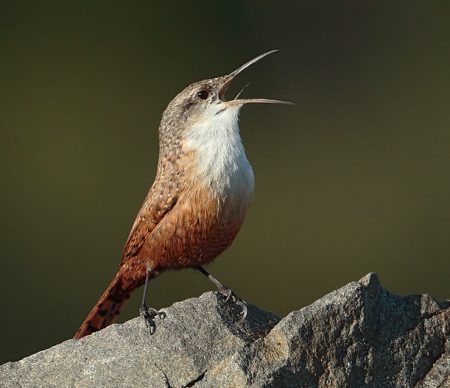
point(204, 101)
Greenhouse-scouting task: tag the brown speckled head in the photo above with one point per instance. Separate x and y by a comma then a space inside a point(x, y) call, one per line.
point(194, 102)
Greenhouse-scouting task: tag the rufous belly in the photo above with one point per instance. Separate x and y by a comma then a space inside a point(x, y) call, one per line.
point(194, 232)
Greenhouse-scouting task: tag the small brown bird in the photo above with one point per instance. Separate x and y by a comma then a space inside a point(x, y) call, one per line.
point(197, 203)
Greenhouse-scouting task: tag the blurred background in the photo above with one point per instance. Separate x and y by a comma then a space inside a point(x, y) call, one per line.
point(354, 178)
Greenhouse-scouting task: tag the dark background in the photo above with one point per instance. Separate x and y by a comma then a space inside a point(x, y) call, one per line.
point(353, 179)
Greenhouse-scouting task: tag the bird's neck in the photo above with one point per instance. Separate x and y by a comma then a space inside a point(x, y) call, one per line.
point(221, 164)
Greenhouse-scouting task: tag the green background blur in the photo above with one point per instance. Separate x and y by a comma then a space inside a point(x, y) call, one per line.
point(354, 178)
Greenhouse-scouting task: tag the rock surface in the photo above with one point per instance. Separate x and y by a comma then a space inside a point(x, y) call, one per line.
point(359, 335)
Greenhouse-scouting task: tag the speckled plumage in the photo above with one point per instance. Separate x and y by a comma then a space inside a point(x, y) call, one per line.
point(199, 198)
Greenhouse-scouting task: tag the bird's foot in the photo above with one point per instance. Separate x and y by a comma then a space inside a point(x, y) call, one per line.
point(149, 314)
point(229, 295)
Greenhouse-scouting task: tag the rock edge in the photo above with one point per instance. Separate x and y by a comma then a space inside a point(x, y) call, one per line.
point(359, 335)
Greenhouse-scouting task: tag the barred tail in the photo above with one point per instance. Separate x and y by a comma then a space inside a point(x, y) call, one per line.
point(106, 309)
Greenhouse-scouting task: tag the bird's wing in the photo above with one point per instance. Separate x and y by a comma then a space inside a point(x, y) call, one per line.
point(159, 201)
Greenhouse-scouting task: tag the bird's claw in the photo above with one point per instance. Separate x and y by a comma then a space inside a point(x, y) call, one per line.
point(149, 314)
point(229, 294)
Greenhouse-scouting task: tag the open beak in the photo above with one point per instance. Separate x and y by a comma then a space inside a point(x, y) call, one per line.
point(228, 78)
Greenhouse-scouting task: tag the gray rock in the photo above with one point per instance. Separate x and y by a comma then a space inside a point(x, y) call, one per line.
point(359, 335)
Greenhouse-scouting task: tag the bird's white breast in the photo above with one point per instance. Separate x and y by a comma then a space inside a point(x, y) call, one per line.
point(221, 161)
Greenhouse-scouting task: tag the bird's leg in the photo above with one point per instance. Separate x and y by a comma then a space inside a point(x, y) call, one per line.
point(225, 291)
point(149, 313)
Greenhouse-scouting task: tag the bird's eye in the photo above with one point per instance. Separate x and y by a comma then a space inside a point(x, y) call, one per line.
point(203, 94)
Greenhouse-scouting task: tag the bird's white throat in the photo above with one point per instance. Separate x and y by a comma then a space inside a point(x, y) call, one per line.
point(221, 160)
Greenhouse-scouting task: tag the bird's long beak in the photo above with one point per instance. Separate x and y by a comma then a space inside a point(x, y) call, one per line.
point(243, 101)
point(249, 63)
point(228, 78)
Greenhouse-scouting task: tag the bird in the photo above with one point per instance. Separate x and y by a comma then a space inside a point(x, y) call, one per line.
point(197, 203)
